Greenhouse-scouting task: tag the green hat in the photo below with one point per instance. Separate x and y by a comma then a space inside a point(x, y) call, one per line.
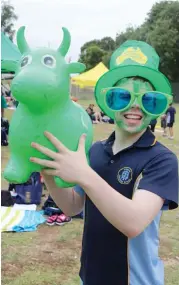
point(133, 58)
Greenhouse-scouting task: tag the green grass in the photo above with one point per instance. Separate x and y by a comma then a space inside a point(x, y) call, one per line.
point(50, 255)
point(43, 275)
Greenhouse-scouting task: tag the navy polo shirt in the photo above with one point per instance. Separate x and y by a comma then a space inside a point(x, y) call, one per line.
point(108, 256)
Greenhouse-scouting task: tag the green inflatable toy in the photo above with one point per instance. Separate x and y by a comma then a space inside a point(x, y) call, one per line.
point(41, 86)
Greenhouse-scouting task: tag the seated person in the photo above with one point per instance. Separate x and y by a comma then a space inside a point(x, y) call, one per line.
point(94, 114)
point(106, 119)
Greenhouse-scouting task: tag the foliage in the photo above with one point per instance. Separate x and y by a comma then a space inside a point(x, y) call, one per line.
point(96, 51)
point(91, 56)
point(160, 29)
point(8, 17)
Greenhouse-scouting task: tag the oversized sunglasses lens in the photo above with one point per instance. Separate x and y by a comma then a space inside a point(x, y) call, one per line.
point(118, 99)
point(154, 103)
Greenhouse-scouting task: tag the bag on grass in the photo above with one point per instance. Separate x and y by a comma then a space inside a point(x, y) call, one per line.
point(50, 208)
point(5, 125)
point(29, 192)
point(4, 140)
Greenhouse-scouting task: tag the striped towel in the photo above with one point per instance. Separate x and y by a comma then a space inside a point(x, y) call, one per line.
point(20, 220)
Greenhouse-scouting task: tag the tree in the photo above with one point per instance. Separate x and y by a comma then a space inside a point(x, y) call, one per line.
point(106, 59)
point(96, 51)
point(92, 56)
point(130, 33)
point(107, 44)
point(8, 17)
point(88, 44)
point(160, 29)
point(162, 32)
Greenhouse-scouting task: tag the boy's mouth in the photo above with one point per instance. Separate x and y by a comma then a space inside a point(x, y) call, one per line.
point(133, 116)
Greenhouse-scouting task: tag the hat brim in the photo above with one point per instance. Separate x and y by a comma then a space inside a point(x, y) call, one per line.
point(110, 78)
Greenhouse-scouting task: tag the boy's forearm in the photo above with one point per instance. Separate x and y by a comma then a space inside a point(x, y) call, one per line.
point(66, 198)
point(128, 216)
point(116, 208)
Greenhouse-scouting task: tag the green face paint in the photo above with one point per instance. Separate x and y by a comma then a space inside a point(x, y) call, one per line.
point(132, 60)
point(133, 120)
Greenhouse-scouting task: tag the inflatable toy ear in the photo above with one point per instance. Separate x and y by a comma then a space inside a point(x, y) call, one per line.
point(76, 67)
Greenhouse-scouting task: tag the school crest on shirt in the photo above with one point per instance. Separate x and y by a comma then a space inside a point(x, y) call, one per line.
point(124, 175)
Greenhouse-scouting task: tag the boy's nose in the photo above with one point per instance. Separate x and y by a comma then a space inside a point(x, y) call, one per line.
point(135, 104)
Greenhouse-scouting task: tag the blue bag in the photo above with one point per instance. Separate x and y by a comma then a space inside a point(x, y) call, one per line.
point(29, 192)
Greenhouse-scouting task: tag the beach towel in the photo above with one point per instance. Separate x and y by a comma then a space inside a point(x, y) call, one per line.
point(20, 220)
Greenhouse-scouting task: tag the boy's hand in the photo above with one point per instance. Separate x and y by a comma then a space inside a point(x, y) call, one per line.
point(69, 165)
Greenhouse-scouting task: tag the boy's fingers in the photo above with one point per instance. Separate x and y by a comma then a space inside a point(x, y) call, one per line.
point(81, 145)
point(59, 146)
point(44, 162)
point(44, 150)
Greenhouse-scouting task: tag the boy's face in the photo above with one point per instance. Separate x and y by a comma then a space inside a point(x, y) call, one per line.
point(134, 119)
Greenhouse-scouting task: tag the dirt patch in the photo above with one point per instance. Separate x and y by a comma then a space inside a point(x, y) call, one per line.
point(171, 261)
point(10, 269)
point(45, 251)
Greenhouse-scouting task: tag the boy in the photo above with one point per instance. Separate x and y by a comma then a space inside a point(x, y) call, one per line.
point(131, 176)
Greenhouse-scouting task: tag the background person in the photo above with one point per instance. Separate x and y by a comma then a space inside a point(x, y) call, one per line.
point(94, 115)
point(170, 118)
point(164, 125)
point(153, 125)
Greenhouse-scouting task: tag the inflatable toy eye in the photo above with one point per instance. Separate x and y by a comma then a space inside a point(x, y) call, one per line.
point(49, 61)
point(26, 60)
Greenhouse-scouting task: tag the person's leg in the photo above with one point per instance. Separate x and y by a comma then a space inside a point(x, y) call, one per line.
point(164, 131)
point(91, 117)
point(96, 118)
point(170, 126)
point(171, 132)
point(98, 114)
point(164, 127)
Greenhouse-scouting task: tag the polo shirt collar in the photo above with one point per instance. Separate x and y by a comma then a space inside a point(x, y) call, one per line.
point(146, 140)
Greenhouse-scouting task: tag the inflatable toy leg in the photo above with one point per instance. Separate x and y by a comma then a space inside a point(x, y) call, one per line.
point(17, 171)
point(62, 184)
